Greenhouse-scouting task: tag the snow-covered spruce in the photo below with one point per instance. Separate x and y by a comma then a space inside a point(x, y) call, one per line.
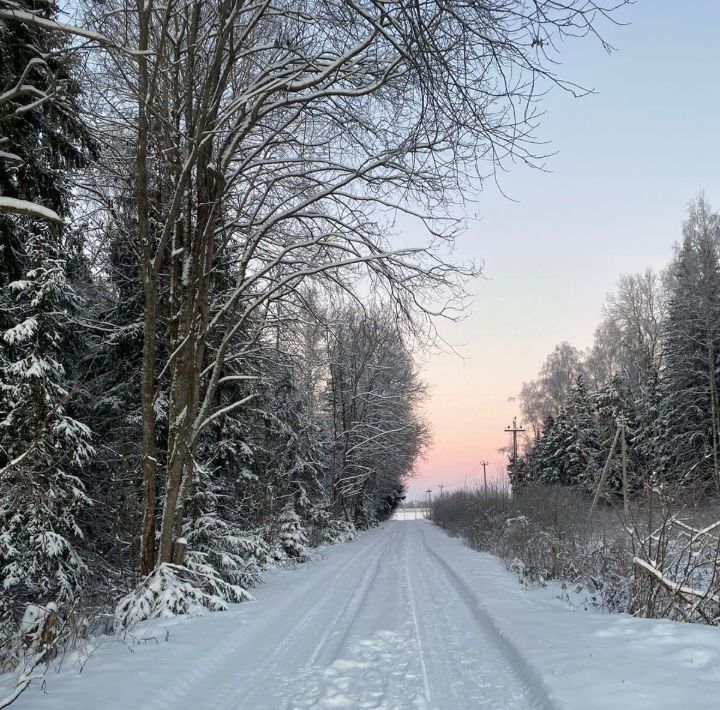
point(43, 448)
point(339, 530)
point(220, 565)
point(291, 536)
point(41, 495)
point(238, 556)
point(175, 589)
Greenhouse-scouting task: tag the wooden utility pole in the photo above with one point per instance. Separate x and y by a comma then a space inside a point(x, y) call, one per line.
point(623, 453)
point(619, 434)
point(606, 468)
point(484, 465)
point(514, 429)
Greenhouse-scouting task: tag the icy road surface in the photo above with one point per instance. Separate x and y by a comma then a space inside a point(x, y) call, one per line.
point(403, 617)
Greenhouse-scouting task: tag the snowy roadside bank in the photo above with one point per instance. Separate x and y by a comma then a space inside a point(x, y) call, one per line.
point(590, 661)
point(159, 643)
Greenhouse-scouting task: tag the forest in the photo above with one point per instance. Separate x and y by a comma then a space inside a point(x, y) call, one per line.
point(651, 374)
point(208, 329)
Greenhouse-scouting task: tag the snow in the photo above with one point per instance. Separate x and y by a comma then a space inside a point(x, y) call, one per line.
point(676, 588)
point(22, 332)
point(12, 205)
point(411, 514)
point(34, 617)
point(31, 17)
point(402, 617)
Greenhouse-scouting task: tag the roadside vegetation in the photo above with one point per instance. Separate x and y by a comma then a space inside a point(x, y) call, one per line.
point(616, 478)
point(659, 560)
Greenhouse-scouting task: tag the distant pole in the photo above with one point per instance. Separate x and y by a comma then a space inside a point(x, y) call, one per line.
point(484, 465)
point(514, 429)
point(429, 492)
point(441, 488)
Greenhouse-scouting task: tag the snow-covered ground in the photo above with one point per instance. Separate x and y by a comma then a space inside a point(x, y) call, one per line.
point(411, 513)
point(403, 617)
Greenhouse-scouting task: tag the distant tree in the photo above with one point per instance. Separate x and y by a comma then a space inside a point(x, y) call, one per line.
point(567, 451)
point(373, 393)
point(617, 407)
point(628, 341)
point(543, 397)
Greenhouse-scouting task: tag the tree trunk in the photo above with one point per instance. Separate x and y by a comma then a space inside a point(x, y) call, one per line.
point(192, 289)
point(713, 410)
point(149, 459)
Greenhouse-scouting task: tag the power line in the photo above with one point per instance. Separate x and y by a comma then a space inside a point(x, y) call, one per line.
point(471, 471)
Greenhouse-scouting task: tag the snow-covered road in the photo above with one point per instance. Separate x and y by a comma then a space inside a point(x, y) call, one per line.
point(403, 617)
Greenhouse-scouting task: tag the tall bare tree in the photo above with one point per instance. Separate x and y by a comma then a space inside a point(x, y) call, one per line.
point(272, 138)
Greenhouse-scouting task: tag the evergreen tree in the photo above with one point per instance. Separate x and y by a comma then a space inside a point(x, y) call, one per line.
point(582, 442)
point(111, 361)
point(43, 447)
point(553, 464)
point(615, 408)
point(43, 136)
point(292, 536)
point(646, 441)
point(535, 464)
point(568, 449)
point(689, 410)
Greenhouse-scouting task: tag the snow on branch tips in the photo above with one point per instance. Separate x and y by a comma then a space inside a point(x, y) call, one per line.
point(10, 205)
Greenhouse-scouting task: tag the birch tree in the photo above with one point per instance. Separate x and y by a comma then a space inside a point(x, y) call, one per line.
point(628, 342)
point(545, 396)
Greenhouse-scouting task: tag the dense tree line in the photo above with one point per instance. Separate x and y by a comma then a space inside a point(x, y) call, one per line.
point(206, 334)
point(652, 372)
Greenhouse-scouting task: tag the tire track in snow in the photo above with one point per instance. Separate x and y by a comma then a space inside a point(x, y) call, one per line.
point(375, 661)
point(214, 660)
point(295, 661)
point(272, 664)
point(325, 652)
point(450, 684)
point(517, 665)
point(418, 640)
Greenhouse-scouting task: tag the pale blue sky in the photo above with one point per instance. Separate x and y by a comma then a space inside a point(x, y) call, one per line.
point(629, 159)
